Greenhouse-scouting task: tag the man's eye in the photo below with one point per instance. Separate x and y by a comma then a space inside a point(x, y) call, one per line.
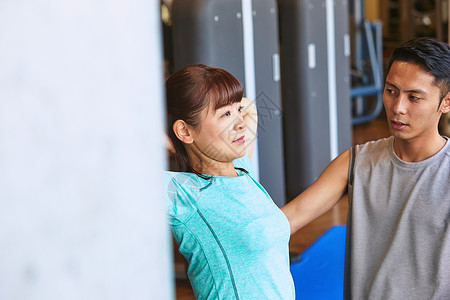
point(227, 114)
point(241, 108)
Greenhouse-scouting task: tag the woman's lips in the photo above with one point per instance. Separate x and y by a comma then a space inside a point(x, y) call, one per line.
point(240, 140)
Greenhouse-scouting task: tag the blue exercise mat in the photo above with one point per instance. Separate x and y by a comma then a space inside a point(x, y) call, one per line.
point(320, 272)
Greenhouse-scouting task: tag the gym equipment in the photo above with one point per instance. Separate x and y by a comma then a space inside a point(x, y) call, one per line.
point(240, 36)
point(367, 67)
point(315, 50)
point(320, 272)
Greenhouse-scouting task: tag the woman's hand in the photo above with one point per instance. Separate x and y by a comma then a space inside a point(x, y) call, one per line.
point(250, 116)
point(168, 144)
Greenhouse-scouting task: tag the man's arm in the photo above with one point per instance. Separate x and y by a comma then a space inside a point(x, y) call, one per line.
point(250, 116)
point(321, 196)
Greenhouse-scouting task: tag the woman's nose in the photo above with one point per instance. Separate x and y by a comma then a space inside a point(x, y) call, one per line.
point(240, 123)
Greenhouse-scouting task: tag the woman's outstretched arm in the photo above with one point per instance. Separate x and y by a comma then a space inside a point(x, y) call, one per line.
point(321, 196)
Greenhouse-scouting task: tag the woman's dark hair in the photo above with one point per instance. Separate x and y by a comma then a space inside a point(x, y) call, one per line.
point(188, 92)
point(431, 55)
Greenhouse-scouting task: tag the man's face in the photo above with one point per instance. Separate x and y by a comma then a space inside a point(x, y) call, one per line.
point(411, 102)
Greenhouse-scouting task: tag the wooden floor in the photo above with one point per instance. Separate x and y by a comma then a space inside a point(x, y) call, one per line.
point(307, 235)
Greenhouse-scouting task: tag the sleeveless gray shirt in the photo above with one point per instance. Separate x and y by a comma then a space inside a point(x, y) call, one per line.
point(398, 233)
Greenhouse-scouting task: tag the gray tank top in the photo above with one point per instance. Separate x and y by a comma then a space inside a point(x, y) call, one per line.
point(398, 233)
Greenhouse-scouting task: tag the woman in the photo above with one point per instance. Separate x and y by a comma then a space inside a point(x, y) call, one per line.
point(233, 236)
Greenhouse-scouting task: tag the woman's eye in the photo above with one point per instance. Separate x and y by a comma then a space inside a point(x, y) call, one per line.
point(241, 108)
point(227, 114)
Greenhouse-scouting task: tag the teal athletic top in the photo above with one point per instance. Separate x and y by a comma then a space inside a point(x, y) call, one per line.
point(233, 236)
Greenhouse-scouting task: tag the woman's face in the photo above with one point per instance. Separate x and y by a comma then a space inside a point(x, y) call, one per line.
point(220, 135)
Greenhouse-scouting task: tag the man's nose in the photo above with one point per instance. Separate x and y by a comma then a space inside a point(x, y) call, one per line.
point(399, 106)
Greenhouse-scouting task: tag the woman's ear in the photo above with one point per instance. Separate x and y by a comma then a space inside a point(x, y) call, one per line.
point(183, 131)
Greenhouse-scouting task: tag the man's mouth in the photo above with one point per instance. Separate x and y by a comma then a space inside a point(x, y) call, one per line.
point(398, 125)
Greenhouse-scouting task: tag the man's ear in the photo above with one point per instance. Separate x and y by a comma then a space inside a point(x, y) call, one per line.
point(445, 105)
point(183, 131)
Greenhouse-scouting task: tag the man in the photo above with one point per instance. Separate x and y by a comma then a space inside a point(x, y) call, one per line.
point(398, 227)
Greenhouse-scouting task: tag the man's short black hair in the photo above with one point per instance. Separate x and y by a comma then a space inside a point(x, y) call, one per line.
point(431, 55)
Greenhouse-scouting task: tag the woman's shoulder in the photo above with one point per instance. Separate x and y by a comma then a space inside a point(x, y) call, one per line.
point(243, 163)
point(182, 191)
point(181, 177)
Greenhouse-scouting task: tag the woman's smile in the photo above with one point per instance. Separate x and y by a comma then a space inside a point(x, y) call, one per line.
point(240, 140)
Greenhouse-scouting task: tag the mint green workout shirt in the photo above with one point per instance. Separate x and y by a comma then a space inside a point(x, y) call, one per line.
point(233, 236)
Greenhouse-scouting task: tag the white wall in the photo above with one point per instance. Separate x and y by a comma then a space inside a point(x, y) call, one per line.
point(81, 209)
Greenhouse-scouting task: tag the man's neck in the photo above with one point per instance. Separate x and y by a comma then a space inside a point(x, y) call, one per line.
point(418, 150)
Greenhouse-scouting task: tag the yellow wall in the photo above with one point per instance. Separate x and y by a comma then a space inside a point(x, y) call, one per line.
point(372, 10)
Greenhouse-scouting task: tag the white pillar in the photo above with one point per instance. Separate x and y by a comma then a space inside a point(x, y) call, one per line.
point(331, 70)
point(81, 113)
